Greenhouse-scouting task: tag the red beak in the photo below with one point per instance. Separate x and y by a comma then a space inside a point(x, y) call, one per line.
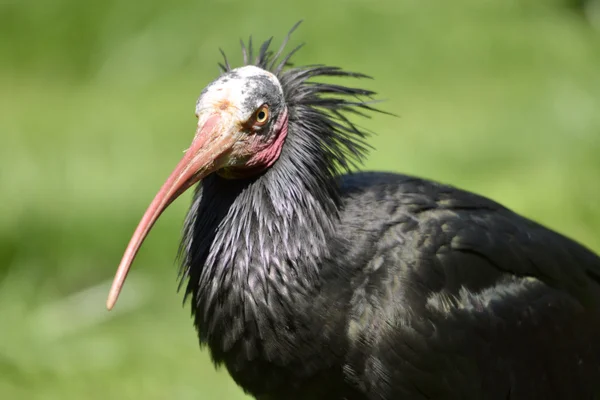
point(209, 152)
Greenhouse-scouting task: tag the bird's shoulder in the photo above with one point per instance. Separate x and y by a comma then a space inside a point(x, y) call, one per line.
point(408, 193)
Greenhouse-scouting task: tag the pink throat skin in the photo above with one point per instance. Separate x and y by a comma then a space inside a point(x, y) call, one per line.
point(263, 158)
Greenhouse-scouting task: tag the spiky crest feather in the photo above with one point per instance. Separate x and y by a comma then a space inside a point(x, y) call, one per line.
point(346, 141)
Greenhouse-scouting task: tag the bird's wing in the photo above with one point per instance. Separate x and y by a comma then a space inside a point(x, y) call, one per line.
point(454, 293)
point(439, 238)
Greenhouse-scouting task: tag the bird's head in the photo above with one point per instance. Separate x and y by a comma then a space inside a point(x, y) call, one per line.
point(243, 120)
point(242, 125)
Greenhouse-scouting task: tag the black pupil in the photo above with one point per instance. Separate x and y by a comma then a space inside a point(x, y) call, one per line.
point(261, 115)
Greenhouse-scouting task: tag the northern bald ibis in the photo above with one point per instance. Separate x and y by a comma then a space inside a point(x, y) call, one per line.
point(310, 282)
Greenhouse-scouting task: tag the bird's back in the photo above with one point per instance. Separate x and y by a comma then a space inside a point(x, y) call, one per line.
point(455, 296)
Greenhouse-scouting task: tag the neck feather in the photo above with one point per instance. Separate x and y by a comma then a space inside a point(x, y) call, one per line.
point(254, 246)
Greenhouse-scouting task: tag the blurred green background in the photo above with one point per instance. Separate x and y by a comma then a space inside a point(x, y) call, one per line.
point(96, 106)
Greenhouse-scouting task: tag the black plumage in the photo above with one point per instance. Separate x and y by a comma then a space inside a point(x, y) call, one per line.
point(310, 282)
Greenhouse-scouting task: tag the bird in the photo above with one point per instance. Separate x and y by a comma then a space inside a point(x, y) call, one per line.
point(311, 278)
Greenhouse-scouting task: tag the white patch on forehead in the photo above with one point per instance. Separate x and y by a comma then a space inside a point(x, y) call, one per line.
point(251, 70)
point(233, 91)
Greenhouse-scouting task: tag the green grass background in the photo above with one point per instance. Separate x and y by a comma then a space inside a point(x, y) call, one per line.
point(501, 97)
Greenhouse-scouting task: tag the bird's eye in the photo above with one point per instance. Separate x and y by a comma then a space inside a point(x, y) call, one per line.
point(262, 115)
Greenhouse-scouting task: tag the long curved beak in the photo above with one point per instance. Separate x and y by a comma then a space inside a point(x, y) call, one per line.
point(209, 151)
